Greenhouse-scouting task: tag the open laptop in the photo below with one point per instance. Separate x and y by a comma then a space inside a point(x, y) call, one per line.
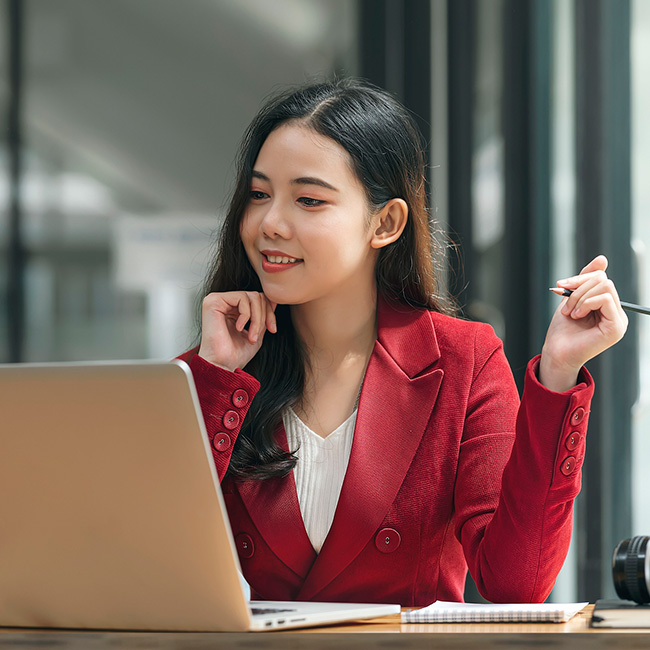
point(111, 514)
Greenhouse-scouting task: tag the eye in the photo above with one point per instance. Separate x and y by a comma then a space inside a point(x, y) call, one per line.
point(309, 202)
point(256, 195)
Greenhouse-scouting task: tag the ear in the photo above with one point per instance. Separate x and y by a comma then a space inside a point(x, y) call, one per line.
point(389, 223)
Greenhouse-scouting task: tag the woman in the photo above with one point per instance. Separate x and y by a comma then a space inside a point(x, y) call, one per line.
point(364, 437)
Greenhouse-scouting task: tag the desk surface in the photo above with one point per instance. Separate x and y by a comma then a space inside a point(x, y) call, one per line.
point(381, 633)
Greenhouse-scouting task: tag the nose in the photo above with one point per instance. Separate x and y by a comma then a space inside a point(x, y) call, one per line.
point(274, 222)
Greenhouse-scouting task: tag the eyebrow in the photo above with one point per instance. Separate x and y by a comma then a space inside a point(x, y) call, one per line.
point(303, 180)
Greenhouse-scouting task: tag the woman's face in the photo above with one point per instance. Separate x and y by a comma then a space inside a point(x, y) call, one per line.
point(306, 230)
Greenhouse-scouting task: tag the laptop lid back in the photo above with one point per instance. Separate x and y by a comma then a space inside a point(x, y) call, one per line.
point(110, 511)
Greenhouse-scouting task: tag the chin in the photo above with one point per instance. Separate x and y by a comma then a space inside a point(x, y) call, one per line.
point(285, 301)
point(280, 297)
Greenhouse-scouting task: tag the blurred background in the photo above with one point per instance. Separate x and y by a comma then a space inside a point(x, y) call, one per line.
point(121, 120)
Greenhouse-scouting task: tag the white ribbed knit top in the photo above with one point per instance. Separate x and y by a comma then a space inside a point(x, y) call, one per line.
point(319, 472)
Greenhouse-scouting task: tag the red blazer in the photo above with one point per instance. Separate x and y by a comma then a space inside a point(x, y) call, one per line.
point(437, 479)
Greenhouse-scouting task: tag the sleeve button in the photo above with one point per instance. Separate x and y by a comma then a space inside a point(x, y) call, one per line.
point(577, 416)
point(568, 466)
point(240, 398)
point(572, 441)
point(231, 420)
point(221, 441)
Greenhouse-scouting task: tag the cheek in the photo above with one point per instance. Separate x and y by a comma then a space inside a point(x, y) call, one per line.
point(247, 230)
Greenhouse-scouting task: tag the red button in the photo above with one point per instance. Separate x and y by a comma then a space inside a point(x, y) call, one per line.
point(572, 441)
point(245, 546)
point(231, 420)
point(240, 398)
point(577, 416)
point(387, 540)
point(568, 465)
point(221, 441)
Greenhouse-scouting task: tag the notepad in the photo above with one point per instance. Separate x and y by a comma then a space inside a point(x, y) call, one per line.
point(445, 612)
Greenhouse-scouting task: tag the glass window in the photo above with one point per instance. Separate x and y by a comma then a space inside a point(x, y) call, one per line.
point(641, 245)
point(132, 116)
point(488, 173)
point(4, 190)
point(563, 217)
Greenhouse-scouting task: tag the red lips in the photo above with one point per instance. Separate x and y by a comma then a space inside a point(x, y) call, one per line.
point(277, 267)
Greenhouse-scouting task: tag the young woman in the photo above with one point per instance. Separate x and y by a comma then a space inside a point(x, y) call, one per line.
point(371, 446)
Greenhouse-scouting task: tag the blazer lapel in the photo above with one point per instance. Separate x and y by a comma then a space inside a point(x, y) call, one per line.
point(273, 506)
point(396, 403)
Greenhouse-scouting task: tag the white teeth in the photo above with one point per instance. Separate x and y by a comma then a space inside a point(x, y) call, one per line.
point(276, 259)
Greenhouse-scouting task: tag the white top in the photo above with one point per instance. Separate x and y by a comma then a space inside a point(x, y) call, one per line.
point(319, 472)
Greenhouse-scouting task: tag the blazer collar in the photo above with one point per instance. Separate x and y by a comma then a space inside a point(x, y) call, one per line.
point(397, 399)
point(408, 336)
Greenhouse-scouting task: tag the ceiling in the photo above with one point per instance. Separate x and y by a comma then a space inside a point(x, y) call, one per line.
point(149, 97)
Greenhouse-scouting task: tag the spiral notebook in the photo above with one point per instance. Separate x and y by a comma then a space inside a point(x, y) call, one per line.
point(445, 612)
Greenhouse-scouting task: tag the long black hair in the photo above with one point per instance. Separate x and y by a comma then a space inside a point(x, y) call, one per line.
point(387, 155)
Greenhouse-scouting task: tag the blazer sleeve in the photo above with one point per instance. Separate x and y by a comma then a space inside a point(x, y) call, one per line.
point(225, 398)
point(514, 493)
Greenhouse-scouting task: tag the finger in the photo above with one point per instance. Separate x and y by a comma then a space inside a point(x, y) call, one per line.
point(261, 326)
point(271, 321)
point(606, 288)
point(581, 285)
point(585, 284)
point(582, 307)
point(214, 303)
point(575, 281)
point(256, 316)
point(601, 302)
point(244, 307)
point(605, 304)
point(230, 304)
point(599, 263)
point(610, 288)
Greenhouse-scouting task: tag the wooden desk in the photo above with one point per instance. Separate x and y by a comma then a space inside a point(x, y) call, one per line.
point(380, 633)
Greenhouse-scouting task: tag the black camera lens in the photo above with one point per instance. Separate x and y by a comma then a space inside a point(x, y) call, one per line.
point(631, 569)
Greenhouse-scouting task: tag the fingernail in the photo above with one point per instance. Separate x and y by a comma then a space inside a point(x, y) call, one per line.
point(563, 283)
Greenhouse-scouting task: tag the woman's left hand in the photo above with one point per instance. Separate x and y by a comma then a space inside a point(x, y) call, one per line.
point(585, 324)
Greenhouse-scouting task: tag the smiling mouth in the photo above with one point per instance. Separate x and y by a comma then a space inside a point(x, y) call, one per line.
point(277, 259)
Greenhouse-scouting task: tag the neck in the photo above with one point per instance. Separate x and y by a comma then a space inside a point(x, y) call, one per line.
point(338, 327)
point(338, 333)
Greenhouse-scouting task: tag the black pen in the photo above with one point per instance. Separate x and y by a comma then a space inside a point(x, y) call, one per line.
point(628, 306)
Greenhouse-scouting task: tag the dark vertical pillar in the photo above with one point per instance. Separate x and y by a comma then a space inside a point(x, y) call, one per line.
point(516, 134)
point(603, 215)
point(461, 54)
point(589, 157)
point(461, 82)
point(417, 63)
point(395, 47)
point(372, 41)
point(539, 170)
point(16, 249)
point(395, 54)
point(526, 130)
point(395, 43)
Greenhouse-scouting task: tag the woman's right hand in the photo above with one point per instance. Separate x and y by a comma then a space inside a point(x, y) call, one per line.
point(224, 341)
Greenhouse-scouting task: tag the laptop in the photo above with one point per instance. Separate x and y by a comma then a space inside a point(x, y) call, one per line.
point(111, 513)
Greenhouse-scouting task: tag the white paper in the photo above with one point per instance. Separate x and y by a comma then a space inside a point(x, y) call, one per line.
point(442, 611)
